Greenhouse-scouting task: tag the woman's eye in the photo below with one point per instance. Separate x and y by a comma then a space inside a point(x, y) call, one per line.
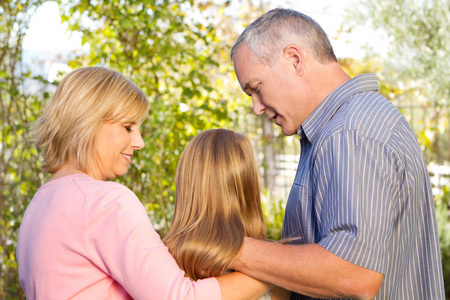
point(128, 128)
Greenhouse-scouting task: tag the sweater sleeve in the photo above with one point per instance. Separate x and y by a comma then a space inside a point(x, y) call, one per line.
point(123, 243)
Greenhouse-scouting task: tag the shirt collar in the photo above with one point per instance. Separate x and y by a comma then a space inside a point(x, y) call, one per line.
point(314, 123)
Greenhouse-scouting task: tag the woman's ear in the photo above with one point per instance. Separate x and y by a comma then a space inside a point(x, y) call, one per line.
point(296, 57)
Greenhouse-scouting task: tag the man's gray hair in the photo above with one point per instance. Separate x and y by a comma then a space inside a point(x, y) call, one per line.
point(268, 35)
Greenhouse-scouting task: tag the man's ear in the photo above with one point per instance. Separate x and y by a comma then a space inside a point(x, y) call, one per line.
point(296, 57)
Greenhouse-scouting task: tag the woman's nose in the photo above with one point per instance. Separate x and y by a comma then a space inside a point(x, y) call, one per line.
point(138, 141)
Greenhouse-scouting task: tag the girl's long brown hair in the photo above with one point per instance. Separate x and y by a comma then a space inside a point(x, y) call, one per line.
point(217, 203)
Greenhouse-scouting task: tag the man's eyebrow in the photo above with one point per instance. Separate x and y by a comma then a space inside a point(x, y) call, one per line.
point(248, 86)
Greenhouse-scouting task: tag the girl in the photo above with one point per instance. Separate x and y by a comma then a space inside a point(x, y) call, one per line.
point(217, 204)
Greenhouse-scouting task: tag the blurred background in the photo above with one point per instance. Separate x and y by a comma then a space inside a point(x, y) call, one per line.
point(177, 51)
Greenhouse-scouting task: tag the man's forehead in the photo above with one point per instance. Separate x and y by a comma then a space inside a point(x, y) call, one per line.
point(245, 54)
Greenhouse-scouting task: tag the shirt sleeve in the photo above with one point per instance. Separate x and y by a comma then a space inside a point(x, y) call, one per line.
point(124, 244)
point(354, 178)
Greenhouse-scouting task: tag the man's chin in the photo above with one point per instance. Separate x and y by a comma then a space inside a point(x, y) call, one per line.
point(288, 132)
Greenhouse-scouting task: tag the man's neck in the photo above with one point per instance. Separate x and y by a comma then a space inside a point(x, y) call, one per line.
point(327, 78)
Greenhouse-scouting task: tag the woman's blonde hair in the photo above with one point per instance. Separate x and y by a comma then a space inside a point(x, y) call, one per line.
point(217, 203)
point(83, 101)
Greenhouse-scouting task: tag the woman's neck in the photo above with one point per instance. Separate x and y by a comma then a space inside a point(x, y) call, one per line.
point(66, 170)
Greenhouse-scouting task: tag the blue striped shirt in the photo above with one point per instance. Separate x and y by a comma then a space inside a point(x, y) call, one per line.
point(362, 192)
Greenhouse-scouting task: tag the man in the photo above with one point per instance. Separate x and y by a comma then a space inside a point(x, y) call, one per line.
point(361, 207)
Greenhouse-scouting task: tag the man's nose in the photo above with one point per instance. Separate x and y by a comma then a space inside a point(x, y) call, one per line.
point(258, 107)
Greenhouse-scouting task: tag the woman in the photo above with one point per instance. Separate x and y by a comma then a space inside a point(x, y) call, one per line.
point(83, 237)
point(217, 205)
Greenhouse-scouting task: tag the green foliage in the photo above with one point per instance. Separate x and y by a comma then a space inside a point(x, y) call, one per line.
point(273, 210)
point(19, 168)
point(176, 61)
point(418, 54)
point(443, 218)
point(355, 67)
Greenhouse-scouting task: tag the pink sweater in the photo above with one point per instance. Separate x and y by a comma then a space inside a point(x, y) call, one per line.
point(82, 238)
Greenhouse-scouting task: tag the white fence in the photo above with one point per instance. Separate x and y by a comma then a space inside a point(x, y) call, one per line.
point(439, 176)
point(286, 166)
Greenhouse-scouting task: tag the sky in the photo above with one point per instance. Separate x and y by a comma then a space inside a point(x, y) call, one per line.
point(46, 33)
point(46, 36)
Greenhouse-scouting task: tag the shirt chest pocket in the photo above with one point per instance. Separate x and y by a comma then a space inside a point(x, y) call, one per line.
point(299, 219)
